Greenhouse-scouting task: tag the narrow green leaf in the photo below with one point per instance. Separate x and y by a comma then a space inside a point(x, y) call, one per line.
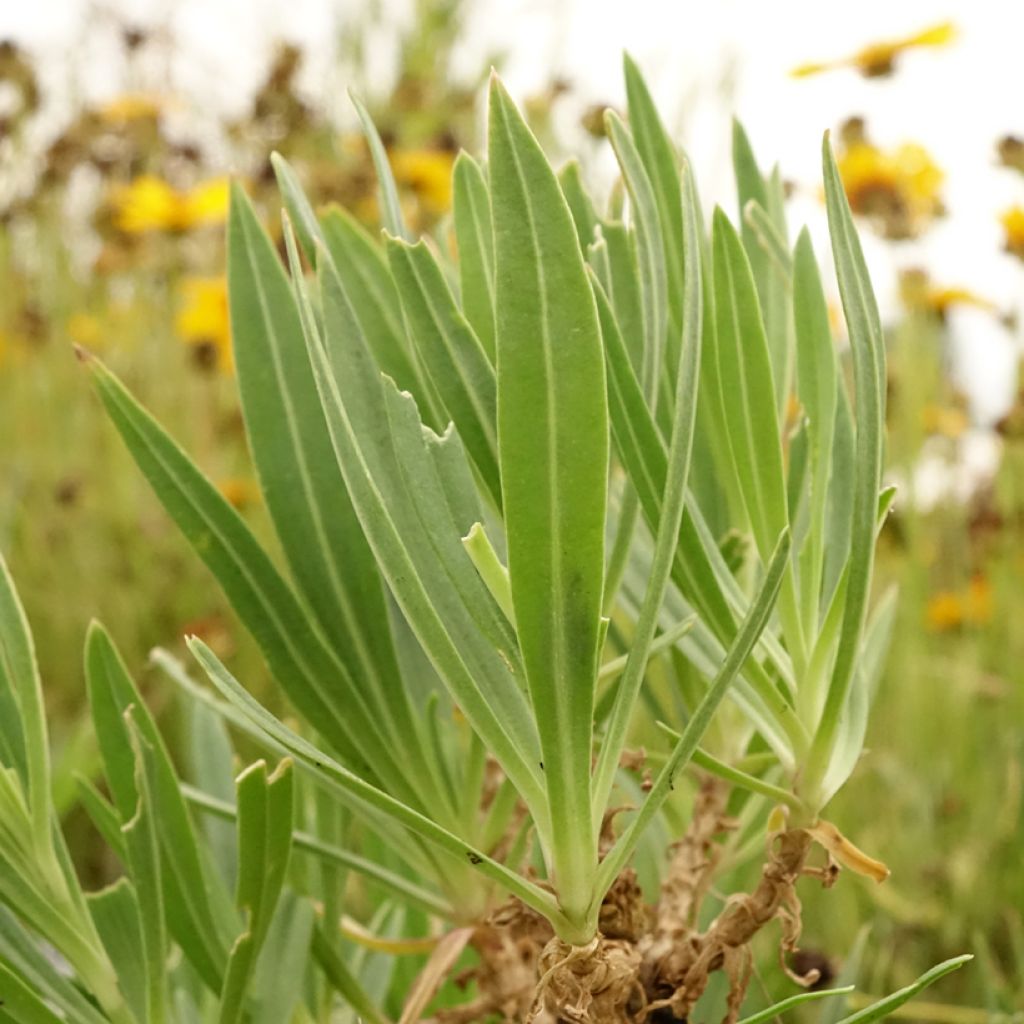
point(354, 398)
point(322, 763)
point(450, 353)
point(406, 890)
point(884, 1007)
point(853, 723)
point(307, 227)
point(391, 207)
point(651, 254)
point(662, 165)
point(305, 494)
point(24, 735)
point(787, 1004)
point(489, 565)
point(748, 391)
point(279, 986)
point(672, 505)
point(615, 261)
point(115, 912)
point(750, 630)
point(19, 1004)
point(265, 811)
point(23, 955)
point(584, 216)
point(756, 217)
point(299, 659)
point(868, 346)
point(362, 270)
point(553, 440)
point(474, 235)
point(142, 847)
point(343, 980)
point(188, 891)
point(817, 386)
point(753, 187)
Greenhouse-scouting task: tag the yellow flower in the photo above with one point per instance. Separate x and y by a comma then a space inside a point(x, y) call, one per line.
point(203, 321)
point(131, 107)
point(978, 603)
point(879, 59)
point(971, 606)
point(945, 420)
point(1013, 227)
point(898, 190)
point(920, 295)
point(428, 172)
point(151, 204)
point(146, 204)
point(84, 329)
point(207, 204)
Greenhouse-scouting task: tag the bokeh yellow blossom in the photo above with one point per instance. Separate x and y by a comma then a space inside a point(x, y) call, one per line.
point(1013, 229)
point(878, 60)
point(921, 295)
point(428, 173)
point(130, 107)
point(970, 606)
point(898, 190)
point(86, 330)
point(203, 322)
point(150, 204)
point(949, 421)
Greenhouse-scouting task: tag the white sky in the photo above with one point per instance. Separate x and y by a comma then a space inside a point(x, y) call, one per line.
point(696, 54)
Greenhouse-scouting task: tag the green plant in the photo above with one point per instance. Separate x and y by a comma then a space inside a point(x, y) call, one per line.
point(522, 527)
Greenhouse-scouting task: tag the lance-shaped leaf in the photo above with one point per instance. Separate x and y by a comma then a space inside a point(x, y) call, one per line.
point(817, 386)
point(321, 763)
point(480, 669)
point(449, 351)
point(884, 1007)
point(23, 742)
point(748, 390)
point(304, 665)
point(390, 205)
point(868, 346)
point(752, 627)
point(553, 440)
point(614, 259)
point(662, 164)
point(474, 235)
point(303, 489)
point(753, 187)
point(265, 809)
point(673, 504)
point(190, 893)
point(143, 850)
point(362, 269)
point(651, 255)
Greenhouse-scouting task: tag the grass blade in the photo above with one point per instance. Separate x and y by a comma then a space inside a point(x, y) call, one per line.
point(882, 1008)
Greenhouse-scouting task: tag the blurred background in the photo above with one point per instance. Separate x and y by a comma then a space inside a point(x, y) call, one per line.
point(121, 123)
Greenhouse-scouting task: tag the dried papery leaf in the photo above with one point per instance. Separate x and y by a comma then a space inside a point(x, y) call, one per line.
point(435, 971)
point(849, 855)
